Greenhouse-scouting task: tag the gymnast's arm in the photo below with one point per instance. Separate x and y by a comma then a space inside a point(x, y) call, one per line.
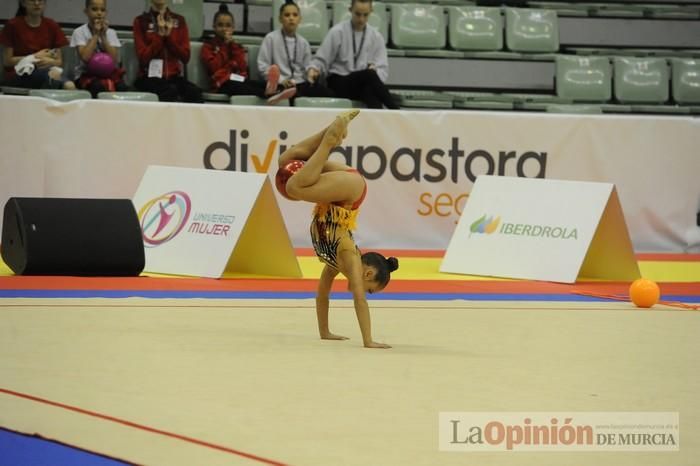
point(350, 264)
point(322, 297)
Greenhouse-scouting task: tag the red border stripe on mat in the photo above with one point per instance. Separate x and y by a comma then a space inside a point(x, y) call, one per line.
point(142, 427)
point(310, 285)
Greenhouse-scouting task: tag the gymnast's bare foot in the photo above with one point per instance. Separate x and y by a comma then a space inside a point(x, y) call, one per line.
point(332, 336)
point(338, 130)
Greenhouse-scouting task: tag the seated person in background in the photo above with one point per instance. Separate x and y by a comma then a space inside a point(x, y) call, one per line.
point(162, 43)
point(354, 57)
point(97, 47)
point(291, 52)
point(226, 63)
point(32, 53)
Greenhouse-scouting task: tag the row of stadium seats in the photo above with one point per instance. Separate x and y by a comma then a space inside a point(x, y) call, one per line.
point(69, 96)
point(453, 30)
point(640, 80)
point(610, 84)
point(621, 10)
point(613, 84)
point(412, 100)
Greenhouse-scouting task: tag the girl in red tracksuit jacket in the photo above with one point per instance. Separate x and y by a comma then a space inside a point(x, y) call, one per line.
point(162, 44)
point(227, 65)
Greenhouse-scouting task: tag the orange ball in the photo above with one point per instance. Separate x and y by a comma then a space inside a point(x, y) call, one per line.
point(644, 293)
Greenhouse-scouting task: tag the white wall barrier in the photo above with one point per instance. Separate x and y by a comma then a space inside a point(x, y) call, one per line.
point(420, 165)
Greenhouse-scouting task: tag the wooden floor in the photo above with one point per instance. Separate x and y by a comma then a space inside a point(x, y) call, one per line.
point(228, 382)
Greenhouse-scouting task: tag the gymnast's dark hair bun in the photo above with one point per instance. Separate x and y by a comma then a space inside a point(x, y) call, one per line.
point(393, 263)
point(289, 2)
point(223, 8)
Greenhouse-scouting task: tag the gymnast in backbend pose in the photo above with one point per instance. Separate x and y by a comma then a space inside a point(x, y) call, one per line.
point(306, 174)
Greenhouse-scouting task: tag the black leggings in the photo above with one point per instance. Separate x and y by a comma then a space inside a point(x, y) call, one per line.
point(362, 85)
point(307, 89)
point(176, 89)
point(246, 87)
point(96, 86)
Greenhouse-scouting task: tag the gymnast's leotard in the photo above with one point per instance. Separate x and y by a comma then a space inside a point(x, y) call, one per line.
point(331, 229)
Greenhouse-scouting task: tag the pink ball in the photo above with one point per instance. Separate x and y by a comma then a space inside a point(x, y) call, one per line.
point(101, 65)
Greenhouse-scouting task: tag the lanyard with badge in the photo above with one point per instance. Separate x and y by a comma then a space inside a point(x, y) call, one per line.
point(355, 51)
point(156, 65)
point(290, 61)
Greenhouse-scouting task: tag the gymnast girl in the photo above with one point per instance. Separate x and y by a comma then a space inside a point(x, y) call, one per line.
point(306, 174)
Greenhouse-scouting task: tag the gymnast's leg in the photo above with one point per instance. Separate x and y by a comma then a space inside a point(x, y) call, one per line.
point(322, 181)
point(305, 149)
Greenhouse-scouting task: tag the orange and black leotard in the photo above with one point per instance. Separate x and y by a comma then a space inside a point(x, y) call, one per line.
point(331, 229)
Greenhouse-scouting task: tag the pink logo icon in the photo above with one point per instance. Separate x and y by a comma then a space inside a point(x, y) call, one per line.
point(163, 217)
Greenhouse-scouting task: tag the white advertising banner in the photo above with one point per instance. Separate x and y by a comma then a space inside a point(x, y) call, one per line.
point(541, 230)
point(420, 165)
point(203, 222)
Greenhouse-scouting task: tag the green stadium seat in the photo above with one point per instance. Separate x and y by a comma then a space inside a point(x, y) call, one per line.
point(11, 90)
point(123, 34)
point(481, 100)
point(426, 103)
point(536, 98)
point(324, 102)
point(574, 108)
point(70, 60)
point(246, 40)
point(252, 57)
point(614, 10)
point(395, 52)
point(129, 96)
point(130, 62)
point(462, 96)
point(418, 26)
point(195, 70)
point(448, 3)
point(215, 97)
point(616, 108)
point(562, 8)
point(673, 11)
point(583, 79)
point(641, 80)
point(419, 98)
point(482, 105)
point(404, 95)
point(531, 30)
point(255, 100)
point(685, 80)
point(378, 19)
point(475, 28)
point(315, 19)
point(661, 109)
point(61, 95)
